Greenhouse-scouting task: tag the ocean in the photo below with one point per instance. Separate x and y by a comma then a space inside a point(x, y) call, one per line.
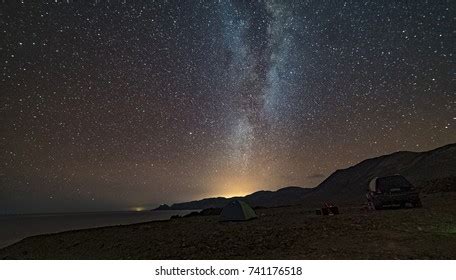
point(14, 228)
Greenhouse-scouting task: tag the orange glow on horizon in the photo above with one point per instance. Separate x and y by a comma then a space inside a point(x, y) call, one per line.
point(138, 209)
point(235, 187)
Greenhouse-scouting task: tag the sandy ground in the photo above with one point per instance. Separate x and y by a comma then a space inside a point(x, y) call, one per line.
point(279, 233)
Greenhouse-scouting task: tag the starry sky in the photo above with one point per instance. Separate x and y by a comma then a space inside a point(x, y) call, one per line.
point(112, 105)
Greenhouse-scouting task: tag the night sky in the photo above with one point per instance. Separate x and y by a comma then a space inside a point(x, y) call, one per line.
point(121, 104)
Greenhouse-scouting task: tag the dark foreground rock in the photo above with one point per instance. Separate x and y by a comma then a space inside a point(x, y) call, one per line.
point(279, 233)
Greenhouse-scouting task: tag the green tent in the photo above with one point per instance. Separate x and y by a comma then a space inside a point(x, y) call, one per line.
point(237, 211)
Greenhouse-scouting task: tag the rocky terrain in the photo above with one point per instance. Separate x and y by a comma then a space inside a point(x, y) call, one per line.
point(279, 233)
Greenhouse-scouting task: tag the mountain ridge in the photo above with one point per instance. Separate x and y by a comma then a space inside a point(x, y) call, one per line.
point(430, 171)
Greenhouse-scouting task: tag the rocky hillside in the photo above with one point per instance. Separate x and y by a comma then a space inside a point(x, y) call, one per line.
point(431, 171)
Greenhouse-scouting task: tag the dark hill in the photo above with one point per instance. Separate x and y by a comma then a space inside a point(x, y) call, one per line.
point(423, 169)
point(430, 171)
point(284, 196)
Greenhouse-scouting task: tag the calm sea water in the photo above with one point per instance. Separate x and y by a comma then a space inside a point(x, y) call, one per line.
point(13, 228)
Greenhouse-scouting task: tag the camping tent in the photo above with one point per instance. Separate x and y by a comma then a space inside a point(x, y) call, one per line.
point(237, 211)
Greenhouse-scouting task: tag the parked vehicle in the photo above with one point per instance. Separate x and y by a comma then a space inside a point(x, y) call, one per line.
point(393, 190)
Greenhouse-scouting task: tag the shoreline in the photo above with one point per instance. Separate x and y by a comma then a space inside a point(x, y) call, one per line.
point(16, 228)
point(279, 233)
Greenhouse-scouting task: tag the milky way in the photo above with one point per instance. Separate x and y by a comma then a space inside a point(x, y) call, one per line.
point(124, 104)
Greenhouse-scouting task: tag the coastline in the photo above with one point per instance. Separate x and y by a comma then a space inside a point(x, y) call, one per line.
point(279, 233)
point(20, 226)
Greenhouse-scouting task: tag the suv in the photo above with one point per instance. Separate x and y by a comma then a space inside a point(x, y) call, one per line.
point(391, 191)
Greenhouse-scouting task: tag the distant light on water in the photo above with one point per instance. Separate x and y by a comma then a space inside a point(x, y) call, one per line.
point(138, 209)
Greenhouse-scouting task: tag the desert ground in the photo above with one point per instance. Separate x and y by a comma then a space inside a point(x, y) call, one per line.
point(293, 232)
